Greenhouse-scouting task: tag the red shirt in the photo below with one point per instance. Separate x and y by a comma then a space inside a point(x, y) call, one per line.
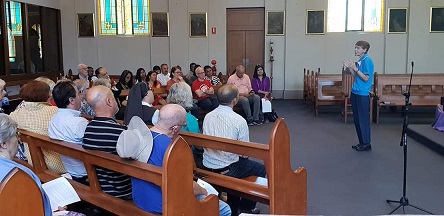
point(202, 85)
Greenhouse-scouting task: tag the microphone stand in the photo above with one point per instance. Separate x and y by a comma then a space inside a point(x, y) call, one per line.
point(404, 201)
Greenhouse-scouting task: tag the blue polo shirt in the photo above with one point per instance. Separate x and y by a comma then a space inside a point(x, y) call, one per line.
point(147, 195)
point(366, 66)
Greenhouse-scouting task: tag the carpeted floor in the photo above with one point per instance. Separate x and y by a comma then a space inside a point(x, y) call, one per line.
point(342, 181)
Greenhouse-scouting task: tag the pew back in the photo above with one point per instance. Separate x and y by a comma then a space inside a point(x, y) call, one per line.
point(175, 177)
point(426, 89)
point(284, 190)
point(328, 90)
point(20, 195)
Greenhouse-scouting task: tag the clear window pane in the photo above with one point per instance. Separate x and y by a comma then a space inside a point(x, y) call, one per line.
point(35, 35)
point(354, 15)
point(373, 18)
point(336, 16)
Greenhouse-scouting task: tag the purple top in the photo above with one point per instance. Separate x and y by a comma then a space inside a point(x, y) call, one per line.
point(263, 85)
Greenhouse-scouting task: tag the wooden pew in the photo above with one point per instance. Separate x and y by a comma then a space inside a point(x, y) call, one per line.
point(310, 101)
point(284, 190)
point(160, 91)
point(426, 90)
point(328, 90)
point(175, 177)
point(306, 84)
point(20, 195)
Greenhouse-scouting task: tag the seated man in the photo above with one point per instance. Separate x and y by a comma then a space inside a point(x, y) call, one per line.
point(246, 95)
point(101, 134)
point(68, 126)
point(224, 122)
point(147, 195)
point(83, 72)
point(203, 91)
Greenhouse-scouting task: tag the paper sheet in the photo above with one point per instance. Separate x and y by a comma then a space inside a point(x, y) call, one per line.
point(210, 189)
point(266, 106)
point(60, 193)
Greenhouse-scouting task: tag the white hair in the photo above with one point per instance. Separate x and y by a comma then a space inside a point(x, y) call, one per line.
point(8, 128)
point(47, 81)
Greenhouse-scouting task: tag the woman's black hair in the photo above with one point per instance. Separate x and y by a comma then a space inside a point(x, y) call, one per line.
point(139, 71)
point(123, 76)
point(257, 68)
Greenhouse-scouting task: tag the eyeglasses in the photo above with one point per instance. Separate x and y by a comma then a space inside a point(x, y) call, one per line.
point(177, 71)
point(181, 126)
point(83, 90)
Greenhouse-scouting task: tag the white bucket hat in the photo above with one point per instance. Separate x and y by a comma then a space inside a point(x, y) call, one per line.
point(136, 142)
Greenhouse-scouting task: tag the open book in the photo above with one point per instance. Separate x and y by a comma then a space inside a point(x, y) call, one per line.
point(60, 193)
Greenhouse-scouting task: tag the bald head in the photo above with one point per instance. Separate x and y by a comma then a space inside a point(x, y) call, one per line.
point(172, 115)
point(226, 94)
point(101, 100)
point(240, 71)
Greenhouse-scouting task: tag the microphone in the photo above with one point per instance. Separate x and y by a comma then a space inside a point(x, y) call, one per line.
point(413, 63)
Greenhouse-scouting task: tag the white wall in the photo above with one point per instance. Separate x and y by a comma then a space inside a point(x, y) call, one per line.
point(392, 53)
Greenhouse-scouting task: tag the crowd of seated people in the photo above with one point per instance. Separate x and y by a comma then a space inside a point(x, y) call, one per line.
point(56, 110)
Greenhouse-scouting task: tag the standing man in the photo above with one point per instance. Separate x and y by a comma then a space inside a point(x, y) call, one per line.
point(363, 71)
point(224, 122)
point(164, 76)
point(68, 126)
point(246, 95)
point(83, 72)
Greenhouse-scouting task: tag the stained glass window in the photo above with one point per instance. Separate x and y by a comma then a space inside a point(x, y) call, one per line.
point(14, 26)
point(355, 15)
point(124, 17)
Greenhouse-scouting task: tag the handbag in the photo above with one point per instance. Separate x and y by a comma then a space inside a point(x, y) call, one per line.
point(271, 116)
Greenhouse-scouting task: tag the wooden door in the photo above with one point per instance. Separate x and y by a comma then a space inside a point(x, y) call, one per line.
point(245, 38)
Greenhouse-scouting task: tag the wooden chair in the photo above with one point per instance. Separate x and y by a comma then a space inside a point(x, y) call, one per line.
point(20, 195)
point(347, 82)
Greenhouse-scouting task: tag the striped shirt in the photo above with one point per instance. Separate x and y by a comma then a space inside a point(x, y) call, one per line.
point(101, 134)
point(223, 122)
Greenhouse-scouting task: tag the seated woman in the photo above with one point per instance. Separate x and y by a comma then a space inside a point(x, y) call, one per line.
point(180, 93)
point(83, 86)
point(8, 149)
point(261, 86)
point(140, 75)
point(261, 83)
point(34, 116)
point(151, 80)
point(51, 87)
point(215, 81)
point(176, 76)
point(125, 81)
point(203, 91)
point(139, 104)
